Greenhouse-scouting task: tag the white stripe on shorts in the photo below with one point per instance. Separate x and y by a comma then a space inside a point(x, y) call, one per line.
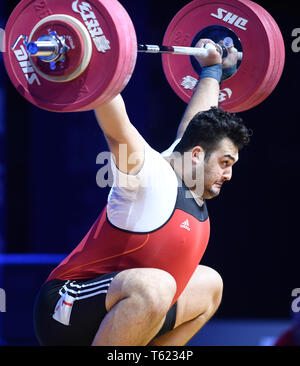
point(93, 290)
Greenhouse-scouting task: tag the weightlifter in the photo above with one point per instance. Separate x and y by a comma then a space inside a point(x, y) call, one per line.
point(135, 278)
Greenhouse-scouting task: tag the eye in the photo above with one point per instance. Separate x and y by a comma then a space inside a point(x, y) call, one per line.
point(224, 163)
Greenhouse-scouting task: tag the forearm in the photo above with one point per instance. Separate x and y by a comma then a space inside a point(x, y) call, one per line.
point(113, 119)
point(205, 96)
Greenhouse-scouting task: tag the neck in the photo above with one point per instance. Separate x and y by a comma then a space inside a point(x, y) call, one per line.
point(178, 167)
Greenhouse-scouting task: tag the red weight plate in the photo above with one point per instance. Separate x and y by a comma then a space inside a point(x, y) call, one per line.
point(247, 26)
point(265, 86)
point(279, 58)
point(112, 60)
point(280, 53)
point(127, 63)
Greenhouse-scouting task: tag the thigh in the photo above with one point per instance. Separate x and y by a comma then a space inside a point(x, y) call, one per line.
point(203, 291)
point(69, 313)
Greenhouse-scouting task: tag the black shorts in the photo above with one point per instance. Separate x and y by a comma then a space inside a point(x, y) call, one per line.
point(69, 313)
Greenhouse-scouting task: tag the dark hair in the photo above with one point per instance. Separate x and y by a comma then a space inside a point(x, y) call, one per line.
point(208, 128)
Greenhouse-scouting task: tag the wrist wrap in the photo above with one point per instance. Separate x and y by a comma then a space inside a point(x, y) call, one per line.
point(214, 71)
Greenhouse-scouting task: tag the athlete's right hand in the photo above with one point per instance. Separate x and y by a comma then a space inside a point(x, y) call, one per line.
point(213, 54)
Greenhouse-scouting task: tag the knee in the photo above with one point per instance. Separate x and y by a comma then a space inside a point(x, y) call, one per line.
point(216, 286)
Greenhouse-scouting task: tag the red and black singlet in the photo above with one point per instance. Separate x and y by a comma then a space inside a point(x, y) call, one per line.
point(176, 247)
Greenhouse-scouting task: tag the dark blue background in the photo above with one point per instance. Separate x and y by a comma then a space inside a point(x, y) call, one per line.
point(51, 198)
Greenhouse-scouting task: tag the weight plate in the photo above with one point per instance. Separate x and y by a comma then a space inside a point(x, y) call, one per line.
point(110, 66)
point(279, 59)
point(127, 62)
point(241, 18)
point(263, 90)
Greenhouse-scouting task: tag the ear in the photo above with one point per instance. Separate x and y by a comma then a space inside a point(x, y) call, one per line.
point(197, 154)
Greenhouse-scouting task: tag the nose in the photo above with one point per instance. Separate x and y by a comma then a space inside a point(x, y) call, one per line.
point(227, 173)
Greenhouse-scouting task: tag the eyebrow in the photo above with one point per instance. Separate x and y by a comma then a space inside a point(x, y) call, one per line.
point(229, 157)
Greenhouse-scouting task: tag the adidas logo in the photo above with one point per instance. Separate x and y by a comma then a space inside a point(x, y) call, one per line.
point(186, 225)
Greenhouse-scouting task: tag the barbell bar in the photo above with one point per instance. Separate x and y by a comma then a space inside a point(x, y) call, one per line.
point(49, 48)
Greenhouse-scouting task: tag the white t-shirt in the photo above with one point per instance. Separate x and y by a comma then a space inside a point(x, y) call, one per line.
point(145, 201)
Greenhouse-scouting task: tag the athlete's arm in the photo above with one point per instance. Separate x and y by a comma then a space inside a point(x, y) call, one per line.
point(122, 137)
point(207, 91)
point(119, 132)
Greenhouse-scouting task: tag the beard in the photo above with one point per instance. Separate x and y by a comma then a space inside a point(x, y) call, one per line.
point(211, 192)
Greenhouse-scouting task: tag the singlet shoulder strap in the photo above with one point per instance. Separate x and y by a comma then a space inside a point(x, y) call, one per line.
point(186, 202)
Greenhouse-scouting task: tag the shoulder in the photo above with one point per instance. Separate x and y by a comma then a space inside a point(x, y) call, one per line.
point(153, 173)
point(170, 150)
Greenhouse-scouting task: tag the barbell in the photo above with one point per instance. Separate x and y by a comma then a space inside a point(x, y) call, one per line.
point(67, 56)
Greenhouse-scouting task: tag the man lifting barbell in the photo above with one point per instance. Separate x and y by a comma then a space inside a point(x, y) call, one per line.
point(135, 278)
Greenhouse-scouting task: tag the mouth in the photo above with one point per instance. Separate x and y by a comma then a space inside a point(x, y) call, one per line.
point(218, 184)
